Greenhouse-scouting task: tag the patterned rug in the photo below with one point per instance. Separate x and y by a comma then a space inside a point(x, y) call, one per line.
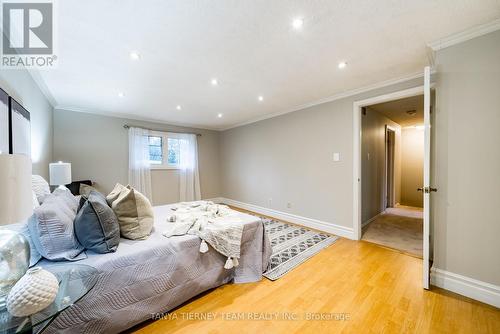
point(291, 246)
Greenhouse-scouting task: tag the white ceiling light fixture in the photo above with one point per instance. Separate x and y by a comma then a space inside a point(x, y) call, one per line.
point(178, 107)
point(214, 82)
point(121, 94)
point(260, 98)
point(134, 55)
point(298, 23)
point(342, 65)
point(219, 115)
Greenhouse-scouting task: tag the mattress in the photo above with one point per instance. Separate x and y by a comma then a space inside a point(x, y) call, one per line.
point(145, 277)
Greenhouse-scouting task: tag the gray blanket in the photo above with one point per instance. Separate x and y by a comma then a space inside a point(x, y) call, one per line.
point(157, 274)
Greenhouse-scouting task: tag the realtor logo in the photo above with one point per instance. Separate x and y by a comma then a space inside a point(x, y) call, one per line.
point(28, 34)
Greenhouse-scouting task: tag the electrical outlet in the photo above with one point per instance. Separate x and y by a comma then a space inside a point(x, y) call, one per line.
point(289, 205)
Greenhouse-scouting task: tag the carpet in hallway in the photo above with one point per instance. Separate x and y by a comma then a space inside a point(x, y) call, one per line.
point(402, 231)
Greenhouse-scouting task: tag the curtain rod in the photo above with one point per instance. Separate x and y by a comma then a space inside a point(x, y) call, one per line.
point(126, 126)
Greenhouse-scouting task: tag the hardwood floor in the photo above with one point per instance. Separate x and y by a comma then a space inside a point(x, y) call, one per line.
point(360, 287)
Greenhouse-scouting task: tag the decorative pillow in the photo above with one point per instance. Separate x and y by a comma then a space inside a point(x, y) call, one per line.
point(85, 189)
point(133, 210)
point(96, 226)
point(74, 186)
point(40, 187)
point(24, 230)
point(51, 227)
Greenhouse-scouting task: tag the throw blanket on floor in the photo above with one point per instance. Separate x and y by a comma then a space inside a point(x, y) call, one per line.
point(217, 225)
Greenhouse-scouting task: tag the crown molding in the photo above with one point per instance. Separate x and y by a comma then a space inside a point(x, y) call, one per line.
point(332, 98)
point(465, 35)
point(37, 78)
point(131, 117)
point(335, 97)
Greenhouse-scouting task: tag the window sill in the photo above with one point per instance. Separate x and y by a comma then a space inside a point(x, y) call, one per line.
point(163, 167)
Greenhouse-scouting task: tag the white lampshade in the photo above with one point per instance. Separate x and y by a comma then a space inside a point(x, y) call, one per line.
point(60, 173)
point(16, 195)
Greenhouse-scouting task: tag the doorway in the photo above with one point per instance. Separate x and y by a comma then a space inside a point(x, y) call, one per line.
point(392, 206)
point(427, 189)
point(390, 151)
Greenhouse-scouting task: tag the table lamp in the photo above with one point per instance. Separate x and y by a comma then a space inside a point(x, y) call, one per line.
point(16, 205)
point(60, 173)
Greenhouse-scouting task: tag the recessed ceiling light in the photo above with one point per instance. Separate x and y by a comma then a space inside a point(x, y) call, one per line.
point(135, 55)
point(178, 107)
point(219, 115)
point(261, 98)
point(120, 94)
point(297, 23)
point(342, 64)
point(214, 82)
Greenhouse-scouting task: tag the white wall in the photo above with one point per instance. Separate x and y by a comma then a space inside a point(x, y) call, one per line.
point(412, 170)
point(21, 86)
point(373, 163)
point(467, 159)
point(97, 147)
point(289, 158)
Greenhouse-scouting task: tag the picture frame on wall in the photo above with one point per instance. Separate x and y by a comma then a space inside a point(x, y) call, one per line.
point(20, 128)
point(4, 123)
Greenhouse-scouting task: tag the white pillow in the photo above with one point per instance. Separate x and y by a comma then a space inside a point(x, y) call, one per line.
point(52, 227)
point(40, 187)
point(36, 204)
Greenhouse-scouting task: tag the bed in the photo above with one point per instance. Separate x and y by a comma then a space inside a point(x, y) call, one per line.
point(146, 277)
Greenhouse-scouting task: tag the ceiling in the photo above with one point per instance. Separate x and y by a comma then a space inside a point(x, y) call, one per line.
point(397, 110)
point(251, 48)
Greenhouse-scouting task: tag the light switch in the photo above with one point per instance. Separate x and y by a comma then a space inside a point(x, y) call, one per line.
point(336, 156)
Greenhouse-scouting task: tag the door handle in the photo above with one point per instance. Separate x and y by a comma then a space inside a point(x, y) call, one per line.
point(427, 190)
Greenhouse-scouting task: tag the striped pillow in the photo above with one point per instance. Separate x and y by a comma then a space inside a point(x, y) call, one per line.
point(40, 187)
point(52, 230)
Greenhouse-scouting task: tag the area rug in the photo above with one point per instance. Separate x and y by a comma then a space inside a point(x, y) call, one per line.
point(292, 245)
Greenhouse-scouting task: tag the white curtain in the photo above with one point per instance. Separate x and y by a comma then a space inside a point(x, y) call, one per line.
point(139, 173)
point(189, 175)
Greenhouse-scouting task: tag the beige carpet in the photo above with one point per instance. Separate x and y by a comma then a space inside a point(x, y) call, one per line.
point(400, 228)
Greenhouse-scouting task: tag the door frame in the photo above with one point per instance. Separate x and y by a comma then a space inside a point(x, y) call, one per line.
point(356, 185)
point(389, 195)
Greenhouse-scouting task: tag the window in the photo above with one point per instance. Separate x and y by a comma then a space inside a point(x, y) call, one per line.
point(174, 151)
point(164, 151)
point(155, 150)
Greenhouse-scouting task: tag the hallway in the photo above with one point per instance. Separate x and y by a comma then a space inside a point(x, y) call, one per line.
point(399, 228)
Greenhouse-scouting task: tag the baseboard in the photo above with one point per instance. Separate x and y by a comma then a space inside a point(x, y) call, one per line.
point(372, 219)
point(217, 200)
point(466, 286)
point(299, 220)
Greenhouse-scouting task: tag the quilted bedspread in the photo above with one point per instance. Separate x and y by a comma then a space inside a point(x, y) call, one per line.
point(144, 277)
